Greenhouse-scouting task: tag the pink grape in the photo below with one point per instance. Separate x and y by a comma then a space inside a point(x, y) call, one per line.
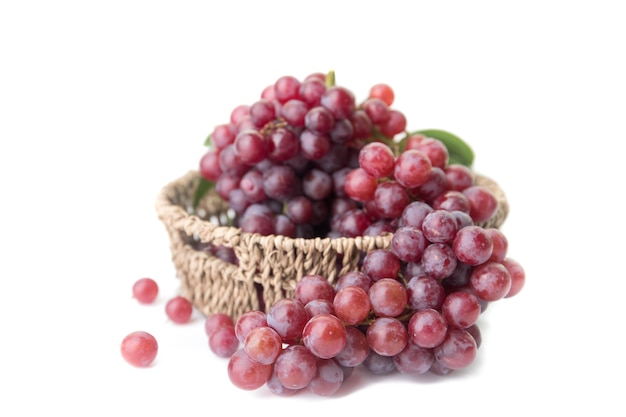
point(139, 349)
point(245, 373)
point(145, 290)
point(179, 309)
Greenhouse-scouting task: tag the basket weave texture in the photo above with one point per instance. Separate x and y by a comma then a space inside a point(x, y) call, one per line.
point(268, 266)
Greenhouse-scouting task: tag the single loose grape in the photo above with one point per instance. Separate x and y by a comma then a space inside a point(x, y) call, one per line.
point(139, 349)
point(145, 290)
point(179, 309)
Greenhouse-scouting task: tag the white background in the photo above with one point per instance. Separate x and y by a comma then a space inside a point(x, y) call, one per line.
point(103, 103)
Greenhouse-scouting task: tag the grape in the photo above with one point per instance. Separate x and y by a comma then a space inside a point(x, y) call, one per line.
point(457, 351)
point(258, 218)
point(452, 201)
point(383, 92)
point(275, 387)
point(353, 223)
point(263, 345)
point(247, 322)
point(324, 335)
point(312, 287)
point(438, 369)
point(435, 185)
point(262, 112)
point(209, 165)
point(311, 91)
point(179, 309)
point(226, 183)
point(379, 364)
point(459, 177)
point(474, 331)
point(280, 182)
point(214, 321)
point(353, 278)
point(319, 120)
point(327, 379)
point(283, 145)
point(412, 168)
point(250, 147)
point(299, 209)
point(339, 101)
point(391, 199)
point(483, 203)
point(388, 297)
point(356, 349)
point(314, 145)
point(490, 281)
point(387, 336)
point(342, 132)
point(319, 306)
point(408, 244)
point(360, 186)
point(377, 110)
point(435, 150)
point(239, 113)
point(396, 124)
point(472, 245)
point(245, 373)
point(288, 317)
point(379, 228)
point(251, 185)
point(377, 160)
point(415, 213)
point(439, 226)
point(294, 111)
point(230, 163)
point(139, 349)
point(222, 135)
point(414, 359)
point(439, 261)
point(317, 184)
point(380, 263)
point(361, 124)
point(145, 290)
point(223, 341)
point(427, 328)
point(460, 309)
point(424, 292)
point(500, 244)
point(286, 88)
point(295, 367)
point(518, 276)
point(283, 226)
point(352, 304)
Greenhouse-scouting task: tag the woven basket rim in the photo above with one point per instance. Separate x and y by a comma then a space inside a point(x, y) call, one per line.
point(171, 213)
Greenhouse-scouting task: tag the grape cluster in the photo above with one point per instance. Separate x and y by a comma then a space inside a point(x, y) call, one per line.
point(281, 162)
point(387, 316)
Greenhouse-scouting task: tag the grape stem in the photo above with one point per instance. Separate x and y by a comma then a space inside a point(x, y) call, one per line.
point(404, 317)
point(330, 79)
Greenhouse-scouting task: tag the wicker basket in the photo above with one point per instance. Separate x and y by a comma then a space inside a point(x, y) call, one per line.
point(268, 267)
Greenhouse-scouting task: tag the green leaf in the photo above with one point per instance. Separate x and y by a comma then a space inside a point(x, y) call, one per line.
point(208, 142)
point(460, 152)
point(203, 187)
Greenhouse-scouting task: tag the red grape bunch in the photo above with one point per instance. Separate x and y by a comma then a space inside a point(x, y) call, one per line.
point(281, 162)
point(389, 316)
